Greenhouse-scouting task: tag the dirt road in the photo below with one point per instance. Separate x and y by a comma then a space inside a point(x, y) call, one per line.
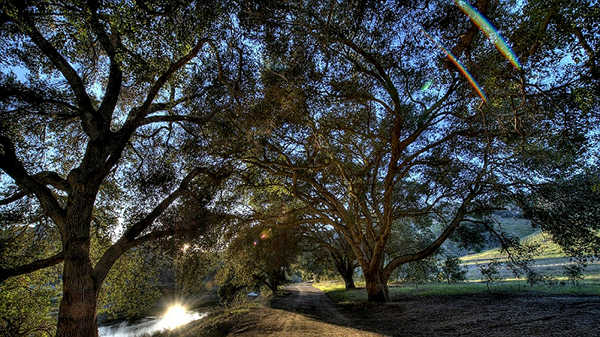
point(303, 311)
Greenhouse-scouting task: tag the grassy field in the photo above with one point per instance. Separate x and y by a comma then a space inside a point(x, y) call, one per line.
point(547, 249)
point(335, 290)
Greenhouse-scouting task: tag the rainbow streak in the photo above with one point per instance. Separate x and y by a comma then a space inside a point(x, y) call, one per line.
point(489, 30)
point(460, 67)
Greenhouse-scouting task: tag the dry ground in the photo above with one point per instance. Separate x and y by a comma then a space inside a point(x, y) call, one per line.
point(306, 311)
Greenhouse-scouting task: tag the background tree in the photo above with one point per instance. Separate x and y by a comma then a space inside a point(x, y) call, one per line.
point(260, 255)
point(314, 264)
point(336, 249)
point(131, 288)
point(100, 95)
point(490, 272)
point(451, 270)
point(419, 272)
point(568, 210)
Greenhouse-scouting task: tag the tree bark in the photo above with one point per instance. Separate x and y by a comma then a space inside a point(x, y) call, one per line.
point(376, 284)
point(77, 311)
point(346, 270)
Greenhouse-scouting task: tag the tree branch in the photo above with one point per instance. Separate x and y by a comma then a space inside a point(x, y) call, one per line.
point(129, 238)
point(110, 44)
point(10, 164)
point(30, 267)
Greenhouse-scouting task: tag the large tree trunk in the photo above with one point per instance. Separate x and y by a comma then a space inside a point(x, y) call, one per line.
point(77, 311)
point(346, 270)
point(349, 280)
point(376, 284)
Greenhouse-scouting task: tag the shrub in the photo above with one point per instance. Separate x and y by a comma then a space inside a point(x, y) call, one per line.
point(574, 273)
point(451, 270)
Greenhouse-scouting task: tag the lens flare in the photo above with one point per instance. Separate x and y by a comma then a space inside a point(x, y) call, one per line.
point(460, 67)
point(489, 30)
point(176, 316)
point(426, 85)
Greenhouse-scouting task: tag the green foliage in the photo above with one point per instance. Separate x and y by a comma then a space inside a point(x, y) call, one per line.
point(452, 271)
point(195, 270)
point(28, 304)
point(568, 210)
point(419, 272)
point(258, 256)
point(131, 288)
point(314, 265)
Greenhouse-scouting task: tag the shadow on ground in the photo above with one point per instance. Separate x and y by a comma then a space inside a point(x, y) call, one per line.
point(476, 315)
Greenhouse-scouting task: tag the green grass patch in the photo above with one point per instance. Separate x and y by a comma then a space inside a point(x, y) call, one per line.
point(338, 294)
point(548, 249)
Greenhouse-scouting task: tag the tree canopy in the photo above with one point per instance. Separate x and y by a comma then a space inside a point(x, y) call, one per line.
point(143, 121)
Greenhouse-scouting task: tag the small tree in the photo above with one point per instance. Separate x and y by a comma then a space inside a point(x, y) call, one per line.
point(451, 270)
point(490, 272)
point(419, 272)
point(574, 273)
point(533, 277)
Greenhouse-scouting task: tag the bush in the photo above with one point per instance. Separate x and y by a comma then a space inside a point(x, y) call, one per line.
point(574, 273)
point(419, 272)
point(451, 270)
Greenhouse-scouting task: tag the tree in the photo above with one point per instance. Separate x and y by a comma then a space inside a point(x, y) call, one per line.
point(131, 287)
point(105, 97)
point(338, 251)
point(574, 273)
point(568, 210)
point(419, 272)
point(259, 255)
point(363, 149)
point(452, 271)
point(490, 272)
point(314, 264)
point(27, 301)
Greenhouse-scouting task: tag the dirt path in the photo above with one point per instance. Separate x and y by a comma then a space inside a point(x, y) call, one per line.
point(304, 311)
point(305, 299)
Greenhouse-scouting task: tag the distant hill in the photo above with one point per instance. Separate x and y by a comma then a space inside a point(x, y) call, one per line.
point(508, 222)
point(548, 249)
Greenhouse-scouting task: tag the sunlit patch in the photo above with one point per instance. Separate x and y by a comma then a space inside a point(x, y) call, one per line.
point(176, 316)
point(427, 85)
point(185, 247)
point(489, 30)
point(460, 67)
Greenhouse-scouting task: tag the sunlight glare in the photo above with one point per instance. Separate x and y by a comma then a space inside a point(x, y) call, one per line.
point(176, 316)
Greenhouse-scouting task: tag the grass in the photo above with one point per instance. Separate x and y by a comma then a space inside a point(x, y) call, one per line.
point(548, 249)
point(337, 292)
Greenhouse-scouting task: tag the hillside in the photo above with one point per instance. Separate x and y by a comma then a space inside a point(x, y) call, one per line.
point(547, 249)
point(514, 226)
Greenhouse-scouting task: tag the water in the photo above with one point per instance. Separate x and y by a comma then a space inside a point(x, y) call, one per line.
point(149, 326)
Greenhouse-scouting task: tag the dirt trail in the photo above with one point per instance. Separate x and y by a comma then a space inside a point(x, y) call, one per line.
point(303, 311)
point(305, 299)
